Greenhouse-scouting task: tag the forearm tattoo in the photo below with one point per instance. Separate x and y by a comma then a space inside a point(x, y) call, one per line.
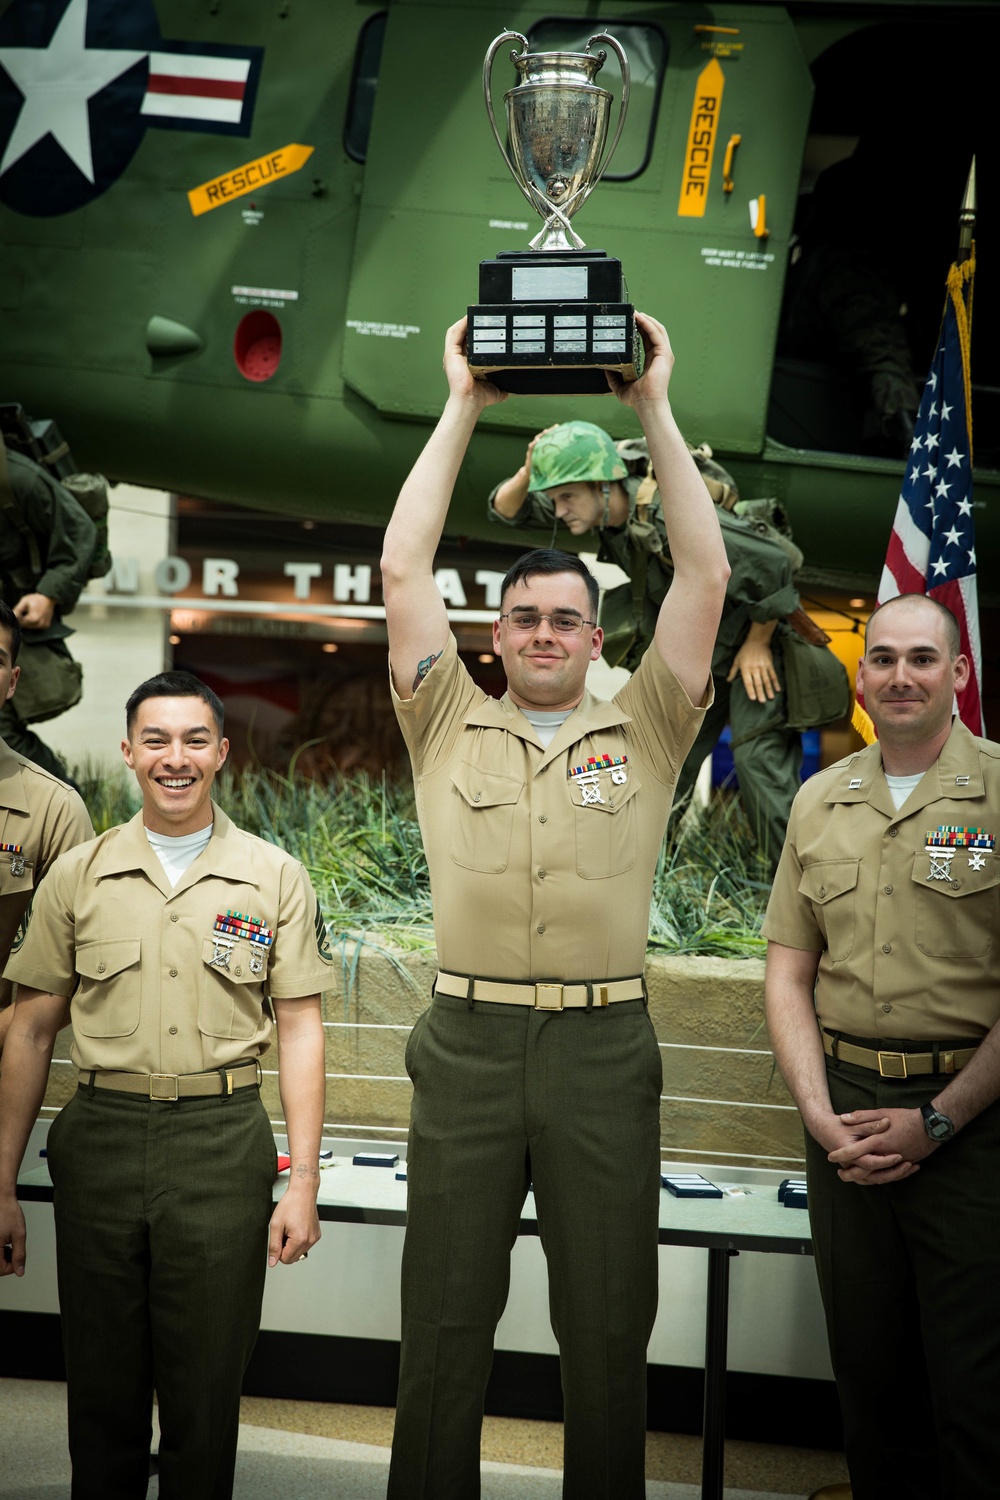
point(424, 667)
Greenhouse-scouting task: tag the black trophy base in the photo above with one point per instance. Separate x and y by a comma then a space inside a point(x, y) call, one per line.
point(551, 323)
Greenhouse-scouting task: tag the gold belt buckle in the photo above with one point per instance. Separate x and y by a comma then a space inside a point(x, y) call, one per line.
point(168, 1079)
point(548, 997)
point(892, 1064)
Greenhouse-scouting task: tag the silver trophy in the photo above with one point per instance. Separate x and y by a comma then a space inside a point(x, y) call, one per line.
point(550, 320)
point(557, 124)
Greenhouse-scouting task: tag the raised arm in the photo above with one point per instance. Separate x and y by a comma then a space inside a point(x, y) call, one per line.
point(689, 615)
point(415, 615)
point(508, 498)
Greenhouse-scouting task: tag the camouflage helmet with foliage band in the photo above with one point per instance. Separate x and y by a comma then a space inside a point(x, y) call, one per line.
point(574, 453)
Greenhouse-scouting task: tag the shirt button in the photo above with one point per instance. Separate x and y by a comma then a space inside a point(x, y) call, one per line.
point(541, 874)
point(173, 973)
point(540, 927)
point(886, 947)
point(893, 832)
point(173, 1030)
point(237, 970)
point(478, 797)
point(956, 885)
point(888, 890)
point(101, 968)
point(174, 917)
point(543, 817)
point(822, 892)
point(887, 1008)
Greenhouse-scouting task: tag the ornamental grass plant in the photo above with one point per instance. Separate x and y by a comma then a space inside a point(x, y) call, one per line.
point(359, 839)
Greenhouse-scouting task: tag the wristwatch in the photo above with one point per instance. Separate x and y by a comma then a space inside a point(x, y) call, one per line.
point(937, 1125)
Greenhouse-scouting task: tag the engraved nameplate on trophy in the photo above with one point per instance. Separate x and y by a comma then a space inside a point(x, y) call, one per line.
point(551, 319)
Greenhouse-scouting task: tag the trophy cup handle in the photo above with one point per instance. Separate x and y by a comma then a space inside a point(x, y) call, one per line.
point(619, 51)
point(491, 52)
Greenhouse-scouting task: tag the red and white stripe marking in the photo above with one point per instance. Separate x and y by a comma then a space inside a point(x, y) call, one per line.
point(185, 87)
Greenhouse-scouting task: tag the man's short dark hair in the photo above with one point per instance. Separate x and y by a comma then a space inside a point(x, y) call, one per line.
point(952, 631)
point(12, 625)
point(174, 685)
point(551, 560)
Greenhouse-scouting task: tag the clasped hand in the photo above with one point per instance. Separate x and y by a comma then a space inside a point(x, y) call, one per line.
point(872, 1147)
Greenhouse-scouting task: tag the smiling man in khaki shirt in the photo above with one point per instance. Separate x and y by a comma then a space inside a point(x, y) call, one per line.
point(40, 817)
point(542, 816)
point(883, 1003)
point(178, 940)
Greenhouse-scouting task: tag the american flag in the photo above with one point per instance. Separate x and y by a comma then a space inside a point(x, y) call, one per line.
point(932, 549)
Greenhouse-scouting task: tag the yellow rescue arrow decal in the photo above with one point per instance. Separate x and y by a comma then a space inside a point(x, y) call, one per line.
point(249, 178)
point(701, 141)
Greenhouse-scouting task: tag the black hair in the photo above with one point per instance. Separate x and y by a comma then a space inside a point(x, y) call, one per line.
point(952, 632)
point(550, 560)
point(174, 685)
point(12, 625)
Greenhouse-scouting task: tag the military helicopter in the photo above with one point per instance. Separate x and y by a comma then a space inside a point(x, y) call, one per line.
point(232, 233)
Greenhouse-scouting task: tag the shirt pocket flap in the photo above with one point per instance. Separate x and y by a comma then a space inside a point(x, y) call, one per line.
point(958, 876)
point(18, 884)
point(481, 788)
point(823, 881)
point(613, 798)
point(103, 960)
point(243, 963)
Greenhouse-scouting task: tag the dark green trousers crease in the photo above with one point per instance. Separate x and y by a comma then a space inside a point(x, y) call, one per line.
point(161, 1214)
point(910, 1278)
point(504, 1096)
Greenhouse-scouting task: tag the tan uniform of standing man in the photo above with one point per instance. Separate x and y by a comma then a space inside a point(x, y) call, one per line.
point(179, 940)
point(40, 817)
point(542, 816)
point(885, 905)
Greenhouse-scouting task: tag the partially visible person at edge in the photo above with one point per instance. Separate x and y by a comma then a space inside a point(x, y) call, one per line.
point(883, 1003)
point(574, 473)
point(173, 944)
point(65, 541)
point(542, 816)
point(40, 817)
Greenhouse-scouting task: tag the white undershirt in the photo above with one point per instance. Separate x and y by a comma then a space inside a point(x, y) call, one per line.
point(176, 854)
point(901, 786)
point(546, 725)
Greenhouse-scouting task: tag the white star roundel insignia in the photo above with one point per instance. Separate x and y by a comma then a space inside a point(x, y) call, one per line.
point(82, 80)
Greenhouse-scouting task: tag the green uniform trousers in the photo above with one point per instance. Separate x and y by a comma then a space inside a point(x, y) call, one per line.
point(569, 1101)
point(766, 753)
point(161, 1214)
point(910, 1278)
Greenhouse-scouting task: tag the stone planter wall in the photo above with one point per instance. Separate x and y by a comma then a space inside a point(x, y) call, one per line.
point(723, 1100)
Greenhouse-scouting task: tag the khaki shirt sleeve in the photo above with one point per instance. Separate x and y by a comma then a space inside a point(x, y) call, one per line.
point(665, 723)
point(432, 719)
point(67, 824)
point(44, 952)
point(790, 919)
point(302, 962)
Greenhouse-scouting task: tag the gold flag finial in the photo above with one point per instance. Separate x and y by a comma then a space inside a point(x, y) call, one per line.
point(967, 216)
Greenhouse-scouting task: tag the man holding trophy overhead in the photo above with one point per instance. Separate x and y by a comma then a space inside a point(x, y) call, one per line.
point(536, 1064)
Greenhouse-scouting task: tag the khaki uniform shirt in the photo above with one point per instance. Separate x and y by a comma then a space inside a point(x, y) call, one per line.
point(537, 873)
point(45, 817)
point(140, 960)
point(909, 939)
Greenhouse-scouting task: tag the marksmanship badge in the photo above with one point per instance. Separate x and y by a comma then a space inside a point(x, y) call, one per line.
point(588, 776)
point(944, 842)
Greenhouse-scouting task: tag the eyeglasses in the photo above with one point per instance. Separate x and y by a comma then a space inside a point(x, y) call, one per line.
point(530, 619)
